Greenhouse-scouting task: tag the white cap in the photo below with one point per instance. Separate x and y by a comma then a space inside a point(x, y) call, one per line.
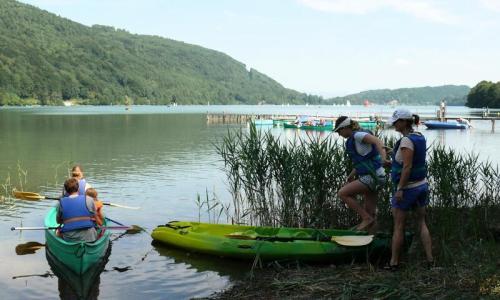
point(345, 123)
point(400, 114)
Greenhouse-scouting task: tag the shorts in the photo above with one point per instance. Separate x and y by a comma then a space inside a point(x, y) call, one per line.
point(373, 183)
point(412, 198)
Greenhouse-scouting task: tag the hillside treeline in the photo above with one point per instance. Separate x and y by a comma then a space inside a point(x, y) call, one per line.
point(484, 94)
point(45, 59)
point(452, 94)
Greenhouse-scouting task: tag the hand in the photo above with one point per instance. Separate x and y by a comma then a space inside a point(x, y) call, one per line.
point(350, 178)
point(398, 195)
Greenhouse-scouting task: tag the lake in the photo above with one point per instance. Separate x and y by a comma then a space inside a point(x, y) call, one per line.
point(156, 157)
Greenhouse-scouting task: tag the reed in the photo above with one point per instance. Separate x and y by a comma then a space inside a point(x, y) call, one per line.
point(294, 183)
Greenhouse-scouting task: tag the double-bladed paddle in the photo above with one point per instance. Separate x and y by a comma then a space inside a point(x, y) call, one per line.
point(344, 240)
point(34, 197)
point(56, 227)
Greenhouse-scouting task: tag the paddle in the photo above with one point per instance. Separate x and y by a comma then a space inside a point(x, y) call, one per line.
point(344, 240)
point(28, 248)
point(34, 196)
point(133, 229)
point(56, 227)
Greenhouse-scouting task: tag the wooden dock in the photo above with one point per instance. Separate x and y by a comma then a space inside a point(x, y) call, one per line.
point(229, 118)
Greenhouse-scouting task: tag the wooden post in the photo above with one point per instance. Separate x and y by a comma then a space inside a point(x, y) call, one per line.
point(492, 125)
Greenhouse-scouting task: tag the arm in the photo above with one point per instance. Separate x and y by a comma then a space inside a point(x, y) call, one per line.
point(370, 139)
point(59, 219)
point(351, 175)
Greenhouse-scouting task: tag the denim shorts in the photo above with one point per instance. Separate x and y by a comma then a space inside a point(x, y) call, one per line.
point(412, 198)
point(373, 183)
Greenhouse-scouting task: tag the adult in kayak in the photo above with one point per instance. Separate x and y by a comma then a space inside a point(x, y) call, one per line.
point(77, 173)
point(368, 157)
point(409, 178)
point(76, 214)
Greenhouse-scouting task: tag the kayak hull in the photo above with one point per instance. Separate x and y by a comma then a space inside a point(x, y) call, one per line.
point(78, 257)
point(444, 125)
point(278, 243)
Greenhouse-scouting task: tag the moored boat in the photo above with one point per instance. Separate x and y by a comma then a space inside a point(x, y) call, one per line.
point(445, 125)
point(79, 257)
point(328, 126)
point(268, 243)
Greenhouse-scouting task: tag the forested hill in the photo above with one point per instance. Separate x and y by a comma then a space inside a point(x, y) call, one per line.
point(46, 59)
point(484, 94)
point(452, 94)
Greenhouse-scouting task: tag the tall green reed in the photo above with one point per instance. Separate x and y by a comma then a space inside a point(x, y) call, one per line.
point(294, 183)
point(285, 183)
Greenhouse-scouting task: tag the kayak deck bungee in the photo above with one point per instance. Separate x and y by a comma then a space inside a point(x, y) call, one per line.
point(77, 256)
point(269, 243)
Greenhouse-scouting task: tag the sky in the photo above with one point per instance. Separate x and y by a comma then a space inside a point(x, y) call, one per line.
point(323, 47)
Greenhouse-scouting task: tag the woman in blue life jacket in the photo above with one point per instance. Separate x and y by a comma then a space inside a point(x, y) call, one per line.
point(77, 173)
point(368, 156)
point(409, 178)
point(76, 214)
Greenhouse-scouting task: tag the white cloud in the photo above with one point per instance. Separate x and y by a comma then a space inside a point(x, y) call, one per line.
point(418, 8)
point(492, 4)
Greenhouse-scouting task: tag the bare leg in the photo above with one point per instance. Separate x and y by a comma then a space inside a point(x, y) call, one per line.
point(371, 203)
point(425, 235)
point(398, 235)
point(371, 198)
point(348, 193)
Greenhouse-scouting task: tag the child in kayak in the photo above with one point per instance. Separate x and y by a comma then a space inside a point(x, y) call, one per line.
point(99, 216)
point(368, 156)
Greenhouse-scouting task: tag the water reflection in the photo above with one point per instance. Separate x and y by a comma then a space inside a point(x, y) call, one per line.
point(73, 286)
point(203, 263)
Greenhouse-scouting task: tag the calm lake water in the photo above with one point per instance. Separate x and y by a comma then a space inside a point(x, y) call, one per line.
point(159, 158)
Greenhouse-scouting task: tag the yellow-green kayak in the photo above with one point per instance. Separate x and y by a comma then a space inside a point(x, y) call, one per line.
point(247, 242)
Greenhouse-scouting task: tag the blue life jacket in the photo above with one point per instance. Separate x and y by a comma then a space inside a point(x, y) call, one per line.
point(419, 168)
point(81, 188)
point(367, 164)
point(75, 213)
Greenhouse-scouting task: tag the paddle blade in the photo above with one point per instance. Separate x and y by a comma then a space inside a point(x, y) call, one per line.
point(28, 248)
point(26, 195)
point(353, 240)
point(135, 229)
point(121, 206)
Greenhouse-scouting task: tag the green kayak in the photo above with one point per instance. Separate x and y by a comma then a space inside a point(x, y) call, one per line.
point(370, 125)
point(247, 242)
point(77, 256)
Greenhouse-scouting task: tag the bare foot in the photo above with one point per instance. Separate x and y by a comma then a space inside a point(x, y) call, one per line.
point(365, 224)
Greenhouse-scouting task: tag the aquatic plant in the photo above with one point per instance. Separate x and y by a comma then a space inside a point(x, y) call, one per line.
point(294, 183)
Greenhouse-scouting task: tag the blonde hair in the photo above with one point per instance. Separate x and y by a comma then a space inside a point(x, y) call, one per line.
point(77, 171)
